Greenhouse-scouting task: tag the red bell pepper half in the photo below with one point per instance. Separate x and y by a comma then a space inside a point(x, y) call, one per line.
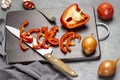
point(73, 17)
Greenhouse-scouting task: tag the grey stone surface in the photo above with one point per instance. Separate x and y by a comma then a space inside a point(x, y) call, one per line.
point(110, 48)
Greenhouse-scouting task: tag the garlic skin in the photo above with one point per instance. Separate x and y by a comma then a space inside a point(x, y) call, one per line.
point(4, 6)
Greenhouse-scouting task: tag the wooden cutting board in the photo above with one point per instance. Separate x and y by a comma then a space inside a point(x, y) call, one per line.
point(16, 18)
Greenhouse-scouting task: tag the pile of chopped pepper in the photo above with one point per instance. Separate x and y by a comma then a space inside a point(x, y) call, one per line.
point(48, 36)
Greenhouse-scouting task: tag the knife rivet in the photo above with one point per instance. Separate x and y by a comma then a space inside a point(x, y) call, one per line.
point(49, 55)
point(55, 59)
point(73, 72)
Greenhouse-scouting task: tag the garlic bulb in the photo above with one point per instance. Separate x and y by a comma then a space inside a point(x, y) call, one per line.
point(6, 4)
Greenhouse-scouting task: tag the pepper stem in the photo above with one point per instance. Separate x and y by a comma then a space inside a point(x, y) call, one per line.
point(81, 11)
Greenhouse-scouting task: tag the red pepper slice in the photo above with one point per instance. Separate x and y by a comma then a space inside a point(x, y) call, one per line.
point(53, 31)
point(29, 32)
point(24, 48)
point(62, 40)
point(42, 44)
point(22, 35)
point(70, 43)
point(26, 36)
point(73, 17)
point(45, 45)
point(33, 30)
point(51, 39)
point(39, 44)
point(45, 33)
point(69, 36)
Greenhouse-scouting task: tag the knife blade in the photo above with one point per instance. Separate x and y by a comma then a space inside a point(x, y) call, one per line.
point(46, 53)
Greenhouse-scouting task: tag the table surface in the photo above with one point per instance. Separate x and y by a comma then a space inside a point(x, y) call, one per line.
point(110, 47)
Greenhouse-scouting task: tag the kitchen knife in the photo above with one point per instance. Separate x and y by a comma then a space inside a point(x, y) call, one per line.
point(47, 54)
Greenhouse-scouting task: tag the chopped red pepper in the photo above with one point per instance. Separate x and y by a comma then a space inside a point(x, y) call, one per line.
point(73, 17)
point(42, 33)
point(39, 44)
point(70, 43)
point(22, 35)
point(47, 36)
point(24, 48)
point(53, 31)
point(69, 36)
point(33, 30)
point(26, 36)
point(62, 40)
point(28, 33)
point(51, 39)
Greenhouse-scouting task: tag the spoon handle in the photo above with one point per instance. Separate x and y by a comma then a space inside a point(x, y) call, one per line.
point(45, 14)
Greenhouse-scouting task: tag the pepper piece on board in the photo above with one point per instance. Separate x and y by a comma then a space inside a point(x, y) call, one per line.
point(63, 39)
point(51, 36)
point(53, 31)
point(73, 17)
point(42, 44)
point(26, 36)
point(22, 34)
point(24, 48)
point(70, 43)
point(66, 41)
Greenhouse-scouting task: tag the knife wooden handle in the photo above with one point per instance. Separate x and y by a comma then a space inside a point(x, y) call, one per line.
point(60, 65)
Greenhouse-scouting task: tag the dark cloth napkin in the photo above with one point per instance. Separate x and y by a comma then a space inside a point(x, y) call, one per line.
point(31, 71)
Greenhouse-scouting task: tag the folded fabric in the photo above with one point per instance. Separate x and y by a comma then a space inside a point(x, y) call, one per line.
point(33, 71)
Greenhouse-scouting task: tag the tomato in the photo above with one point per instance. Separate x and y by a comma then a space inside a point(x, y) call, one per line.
point(105, 10)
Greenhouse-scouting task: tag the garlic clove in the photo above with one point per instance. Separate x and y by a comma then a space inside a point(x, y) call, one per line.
point(4, 6)
point(8, 1)
point(7, 4)
point(3, 2)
